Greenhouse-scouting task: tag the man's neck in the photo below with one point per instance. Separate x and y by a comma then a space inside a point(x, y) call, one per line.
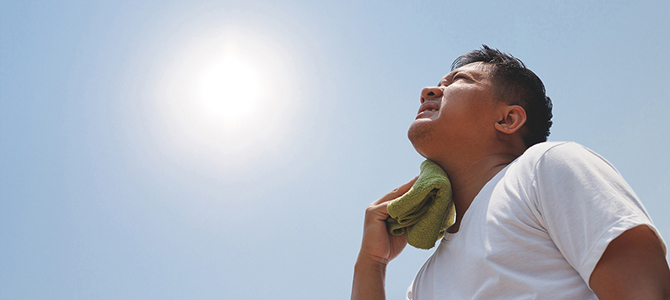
point(467, 179)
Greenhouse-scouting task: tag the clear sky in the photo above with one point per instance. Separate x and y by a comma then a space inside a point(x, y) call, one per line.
point(127, 172)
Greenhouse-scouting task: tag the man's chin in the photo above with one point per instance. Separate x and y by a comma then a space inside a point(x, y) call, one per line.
point(419, 133)
point(419, 137)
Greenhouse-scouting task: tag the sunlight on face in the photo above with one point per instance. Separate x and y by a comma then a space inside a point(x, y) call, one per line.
point(227, 100)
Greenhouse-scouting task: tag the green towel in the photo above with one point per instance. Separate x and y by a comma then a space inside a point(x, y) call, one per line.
point(426, 210)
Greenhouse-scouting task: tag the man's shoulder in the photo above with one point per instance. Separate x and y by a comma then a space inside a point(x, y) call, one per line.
point(553, 149)
point(557, 153)
point(552, 156)
point(543, 148)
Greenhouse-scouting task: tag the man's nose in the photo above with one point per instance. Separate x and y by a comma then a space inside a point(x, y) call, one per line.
point(430, 93)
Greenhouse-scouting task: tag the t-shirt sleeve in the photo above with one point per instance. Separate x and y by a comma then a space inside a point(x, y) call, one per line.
point(584, 204)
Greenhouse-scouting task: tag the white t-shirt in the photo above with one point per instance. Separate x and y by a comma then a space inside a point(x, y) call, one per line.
point(534, 231)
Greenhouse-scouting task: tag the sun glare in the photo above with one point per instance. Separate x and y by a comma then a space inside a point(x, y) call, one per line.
point(229, 89)
point(228, 98)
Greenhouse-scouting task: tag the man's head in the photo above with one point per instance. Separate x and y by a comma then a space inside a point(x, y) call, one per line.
point(515, 84)
point(489, 103)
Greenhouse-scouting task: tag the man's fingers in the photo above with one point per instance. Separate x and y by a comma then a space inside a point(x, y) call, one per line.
point(401, 190)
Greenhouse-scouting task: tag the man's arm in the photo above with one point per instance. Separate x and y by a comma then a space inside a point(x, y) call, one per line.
point(632, 267)
point(378, 248)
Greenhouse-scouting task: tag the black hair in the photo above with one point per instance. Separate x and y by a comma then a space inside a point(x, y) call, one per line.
point(518, 85)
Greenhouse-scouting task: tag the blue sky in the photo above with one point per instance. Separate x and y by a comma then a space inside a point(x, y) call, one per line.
point(117, 182)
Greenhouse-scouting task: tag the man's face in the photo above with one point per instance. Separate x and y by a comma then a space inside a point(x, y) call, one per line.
point(457, 114)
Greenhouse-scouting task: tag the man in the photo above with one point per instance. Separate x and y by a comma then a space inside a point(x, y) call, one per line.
point(551, 221)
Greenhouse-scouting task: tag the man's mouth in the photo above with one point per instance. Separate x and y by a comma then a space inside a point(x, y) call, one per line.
point(429, 107)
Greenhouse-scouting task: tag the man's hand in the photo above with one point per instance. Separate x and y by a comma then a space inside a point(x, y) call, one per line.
point(379, 245)
point(378, 248)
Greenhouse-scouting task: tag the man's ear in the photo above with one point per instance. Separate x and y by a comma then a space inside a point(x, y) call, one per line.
point(513, 118)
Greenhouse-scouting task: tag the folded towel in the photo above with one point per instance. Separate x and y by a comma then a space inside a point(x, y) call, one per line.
point(426, 210)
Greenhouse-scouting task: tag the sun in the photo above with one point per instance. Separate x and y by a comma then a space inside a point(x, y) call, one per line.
point(228, 99)
point(229, 89)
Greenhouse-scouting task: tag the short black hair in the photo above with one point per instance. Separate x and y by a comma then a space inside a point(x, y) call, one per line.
point(518, 85)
